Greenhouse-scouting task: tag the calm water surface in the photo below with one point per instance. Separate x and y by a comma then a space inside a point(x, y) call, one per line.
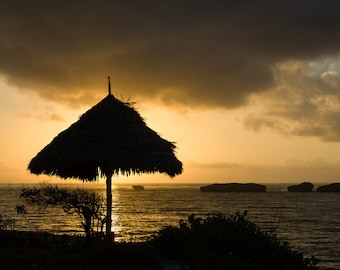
point(309, 221)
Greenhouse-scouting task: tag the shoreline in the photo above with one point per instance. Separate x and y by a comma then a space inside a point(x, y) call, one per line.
point(42, 250)
point(287, 210)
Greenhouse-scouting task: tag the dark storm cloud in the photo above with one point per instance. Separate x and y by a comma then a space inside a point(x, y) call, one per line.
point(198, 53)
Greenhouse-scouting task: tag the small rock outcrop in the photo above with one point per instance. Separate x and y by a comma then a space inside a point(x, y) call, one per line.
point(138, 187)
point(335, 187)
point(234, 187)
point(303, 187)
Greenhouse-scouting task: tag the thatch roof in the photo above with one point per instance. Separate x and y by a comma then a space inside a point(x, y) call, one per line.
point(110, 138)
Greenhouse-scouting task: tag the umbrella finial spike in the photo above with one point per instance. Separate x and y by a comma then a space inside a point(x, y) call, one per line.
point(109, 84)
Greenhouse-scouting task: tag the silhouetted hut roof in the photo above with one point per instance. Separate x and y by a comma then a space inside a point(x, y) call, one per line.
point(110, 138)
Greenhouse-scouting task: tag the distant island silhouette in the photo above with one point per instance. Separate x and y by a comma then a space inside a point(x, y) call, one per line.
point(253, 187)
point(234, 187)
point(335, 187)
point(138, 187)
point(303, 187)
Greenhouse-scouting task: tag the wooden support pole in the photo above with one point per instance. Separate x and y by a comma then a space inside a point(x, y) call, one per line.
point(108, 208)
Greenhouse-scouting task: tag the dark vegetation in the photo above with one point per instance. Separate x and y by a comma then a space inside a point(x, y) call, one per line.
point(88, 205)
point(216, 242)
point(34, 250)
point(227, 243)
point(6, 223)
point(213, 243)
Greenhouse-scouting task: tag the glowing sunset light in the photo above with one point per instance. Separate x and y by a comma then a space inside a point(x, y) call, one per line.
point(246, 96)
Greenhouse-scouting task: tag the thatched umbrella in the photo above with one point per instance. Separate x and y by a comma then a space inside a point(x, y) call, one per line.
point(109, 139)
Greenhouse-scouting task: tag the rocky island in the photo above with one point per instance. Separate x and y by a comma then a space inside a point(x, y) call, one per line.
point(303, 187)
point(234, 187)
point(335, 187)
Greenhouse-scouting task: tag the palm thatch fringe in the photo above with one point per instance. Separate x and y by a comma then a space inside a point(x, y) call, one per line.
point(109, 139)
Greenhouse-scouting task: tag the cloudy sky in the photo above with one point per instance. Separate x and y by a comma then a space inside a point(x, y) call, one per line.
point(248, 90)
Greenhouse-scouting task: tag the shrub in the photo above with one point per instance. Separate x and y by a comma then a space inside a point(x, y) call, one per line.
point(88, 205)
point(234, 242)
point(6, 223)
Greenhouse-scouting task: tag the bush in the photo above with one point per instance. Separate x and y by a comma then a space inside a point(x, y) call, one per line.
point(234, 242)
point(88, 205)
point(6, 223)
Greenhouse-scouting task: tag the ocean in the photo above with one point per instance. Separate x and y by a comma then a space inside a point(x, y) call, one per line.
point(310, 222)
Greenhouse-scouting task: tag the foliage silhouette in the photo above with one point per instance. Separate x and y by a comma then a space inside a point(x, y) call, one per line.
point(234, 242)
point(21, 209)
point(6, 223)
point(216, 242)
point(88, 205)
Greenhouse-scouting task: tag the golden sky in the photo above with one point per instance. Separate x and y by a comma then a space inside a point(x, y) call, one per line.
point(248, 90)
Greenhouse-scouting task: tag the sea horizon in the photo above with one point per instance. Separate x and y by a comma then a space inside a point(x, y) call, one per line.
point(270, 186)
